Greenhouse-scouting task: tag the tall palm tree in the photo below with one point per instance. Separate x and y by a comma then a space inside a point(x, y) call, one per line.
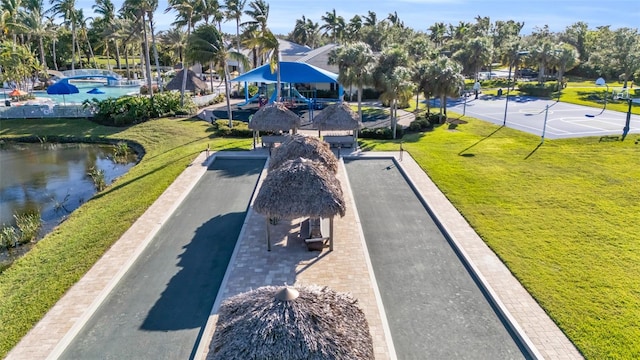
point(438, 33)
point(234, 12)
point(398, 87)
point(355, 62)
point(67, 9)
point(206, 45)
point(268, 44)
point(83, 33)
point(175, 41)
point(138, 10)
point(448, 81)
point(186, 18)
point(475, 54)
point(10, 11)
point(566, 58)
point(334, 25)
point(34, 24)
point(107, 19)
point(371, 19)
point(259, 14)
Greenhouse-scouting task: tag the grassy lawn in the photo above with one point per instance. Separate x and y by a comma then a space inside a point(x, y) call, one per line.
point(564, 217)
point(35, 282)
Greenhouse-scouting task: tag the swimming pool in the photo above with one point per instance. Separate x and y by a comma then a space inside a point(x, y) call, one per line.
point(84, 86)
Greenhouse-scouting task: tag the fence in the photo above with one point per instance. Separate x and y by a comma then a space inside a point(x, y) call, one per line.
point(44, 111)
point(71, 111)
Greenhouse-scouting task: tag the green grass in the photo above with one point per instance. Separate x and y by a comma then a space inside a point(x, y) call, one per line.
point(35, 282)
point(563, 216)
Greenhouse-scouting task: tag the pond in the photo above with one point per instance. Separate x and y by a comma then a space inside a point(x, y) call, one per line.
point(53, 178)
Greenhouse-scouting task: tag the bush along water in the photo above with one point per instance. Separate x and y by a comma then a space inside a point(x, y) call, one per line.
point(25, 231)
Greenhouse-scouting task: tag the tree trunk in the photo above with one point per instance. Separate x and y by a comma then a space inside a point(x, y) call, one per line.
point(360, 102)
point(79, 54)
point(42, 59)
point(155, 53)
point(115, 44)
point(183, 87)
point(227, 90)
point(55, 59)
point(108, 58)
point(126, 61)
point(92, 55)
point(394, 120)
point(73, 46)
point(147, 60)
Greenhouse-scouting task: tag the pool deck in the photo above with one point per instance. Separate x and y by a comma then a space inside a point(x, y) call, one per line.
point(347, 269)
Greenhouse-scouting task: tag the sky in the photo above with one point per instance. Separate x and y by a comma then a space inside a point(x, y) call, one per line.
point(420, 14)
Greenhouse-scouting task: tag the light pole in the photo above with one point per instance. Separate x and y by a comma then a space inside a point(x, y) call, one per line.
point(506, 104)
point(627, 123)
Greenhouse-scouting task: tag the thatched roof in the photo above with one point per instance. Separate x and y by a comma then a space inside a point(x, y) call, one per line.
point(194, 83)
point(338, 116)
point(317, 324)
point(300, 188)
point(273, 117)
point(300, 146)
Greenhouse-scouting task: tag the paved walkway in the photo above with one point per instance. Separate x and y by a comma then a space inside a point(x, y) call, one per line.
point(347, 268)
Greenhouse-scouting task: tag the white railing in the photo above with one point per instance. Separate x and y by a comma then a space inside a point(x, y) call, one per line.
point(44, 111)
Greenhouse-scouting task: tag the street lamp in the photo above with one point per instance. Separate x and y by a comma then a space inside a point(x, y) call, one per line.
point(506, 104)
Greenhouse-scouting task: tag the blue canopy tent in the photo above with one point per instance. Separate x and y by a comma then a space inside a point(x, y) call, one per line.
point(290, 72)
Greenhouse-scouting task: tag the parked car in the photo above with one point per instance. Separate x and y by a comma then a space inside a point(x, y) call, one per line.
point(527, 73)
point(485, 75)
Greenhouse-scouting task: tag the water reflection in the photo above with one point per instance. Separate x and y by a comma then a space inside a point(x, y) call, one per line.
point(53, 178)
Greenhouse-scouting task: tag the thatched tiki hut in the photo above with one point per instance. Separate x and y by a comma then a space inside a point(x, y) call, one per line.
point(300, 188)
point(307, 147)
point(312, 322)
point(338, 116)
point(194, 83)
point(273, 117)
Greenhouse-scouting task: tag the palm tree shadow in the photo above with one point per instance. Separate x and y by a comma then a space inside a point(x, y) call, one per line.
point(462, 152)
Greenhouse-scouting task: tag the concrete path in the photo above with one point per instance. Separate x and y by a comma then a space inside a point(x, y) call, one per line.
point(434, 307)
point(160, 307)
point(347, 268)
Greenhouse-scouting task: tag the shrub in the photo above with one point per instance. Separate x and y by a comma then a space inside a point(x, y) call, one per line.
point(381, 133)
point(129, 110)
point(240, 129)
point(370, 94)
point(421, 124)
point(544, 90)
point(97, 175)
point(29, 224)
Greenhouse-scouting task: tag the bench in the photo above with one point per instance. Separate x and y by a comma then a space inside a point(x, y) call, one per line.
point(269, 141)
point(339, 140)
point(315, 233)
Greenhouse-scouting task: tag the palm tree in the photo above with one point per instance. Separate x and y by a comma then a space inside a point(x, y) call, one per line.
point(476, 53)
point(268, 44)
point(138, 9)
point(542, 53)
point(234, 12)
point(67, 9)
point(334, 25)
point(34, 25)
point(438, 33)
point(448, 81)
point(305, 32)
point(186, 18)
point(566, 58)
point(10, 12)
point(371, 19)
point(206, 45)
point(82, 21)
point(355, 63)
point(175, 41)
point(392, 76)
point(259, 14)
point(353, 28)
point(106, 21)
